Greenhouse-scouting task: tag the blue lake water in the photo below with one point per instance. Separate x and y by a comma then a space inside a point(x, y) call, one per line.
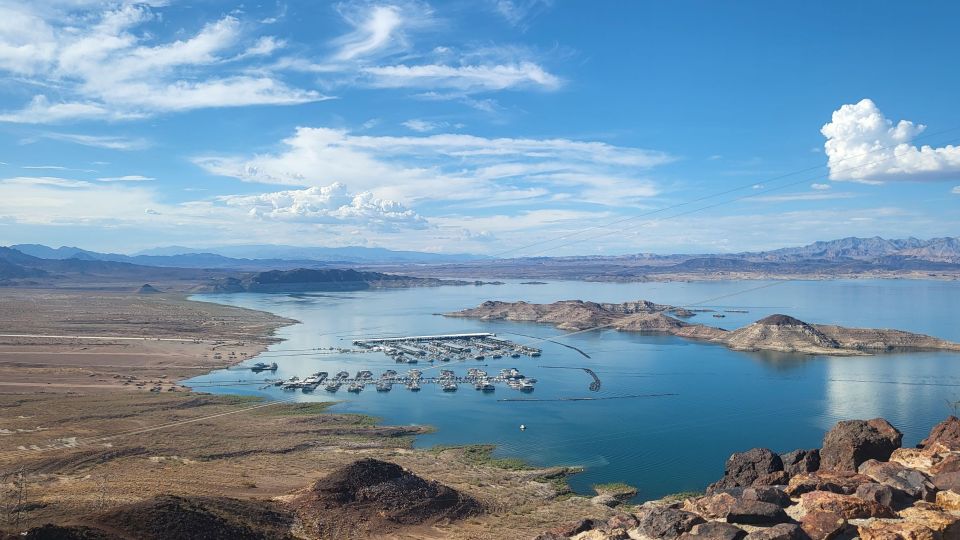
point(725, 401)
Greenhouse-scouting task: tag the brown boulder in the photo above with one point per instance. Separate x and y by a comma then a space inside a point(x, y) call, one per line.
point(836, 482)
point(947, 480)
point(948, 500)
point(852, 442)
point(948, 463)
point(895, 530)
point(714, 530)
point(877, 493)
point(622, 521)
point(665, 522)
point(770, 494)
point(824, 525)
point(946, 433)
point(783, 531)
point(943, 523)
point(749, 512)
point(845, 506)
point(744, 468)
point(779, 478)
point(573, 528)
point(715, 506)
point(801, 461)
point(910, 481)
point(913, 458)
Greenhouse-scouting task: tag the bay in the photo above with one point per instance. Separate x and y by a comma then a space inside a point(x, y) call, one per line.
point(720, 401)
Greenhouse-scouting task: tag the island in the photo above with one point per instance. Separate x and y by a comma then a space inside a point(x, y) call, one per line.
point(778, 333)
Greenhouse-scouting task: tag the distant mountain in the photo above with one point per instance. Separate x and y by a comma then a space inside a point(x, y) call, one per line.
point(349, 254)
point(187, 260)
point(334, 279)
point(944, 249)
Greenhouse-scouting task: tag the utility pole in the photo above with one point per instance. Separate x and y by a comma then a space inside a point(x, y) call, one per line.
point(21, 497)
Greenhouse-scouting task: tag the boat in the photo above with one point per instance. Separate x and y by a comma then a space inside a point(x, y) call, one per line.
point(261, 366)
point(356, 388)
point(413, 386)
point(535, 354)
point(486, 386)
point(525, 386)
point(332, 387)
point(412, 360)
point(445, 359)
point(384, 387)
point(414, 373)
point(343, 375)
point(449, 387)
point(497, 356)
point(478, 357)
point(515, 355)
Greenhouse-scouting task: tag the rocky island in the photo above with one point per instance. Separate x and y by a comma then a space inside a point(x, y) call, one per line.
point(778, 333)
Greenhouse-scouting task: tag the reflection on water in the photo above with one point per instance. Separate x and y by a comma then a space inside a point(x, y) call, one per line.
point(724, 401)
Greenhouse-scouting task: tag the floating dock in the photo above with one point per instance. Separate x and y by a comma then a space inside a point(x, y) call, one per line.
point(446, 347)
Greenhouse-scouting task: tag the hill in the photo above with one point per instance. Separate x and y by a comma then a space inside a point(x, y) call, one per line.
point(305, 279)
point(780, 333)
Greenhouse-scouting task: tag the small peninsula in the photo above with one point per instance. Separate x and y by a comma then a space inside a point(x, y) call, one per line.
point(777, 333)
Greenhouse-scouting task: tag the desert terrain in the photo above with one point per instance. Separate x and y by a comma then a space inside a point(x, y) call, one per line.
point(92, 418)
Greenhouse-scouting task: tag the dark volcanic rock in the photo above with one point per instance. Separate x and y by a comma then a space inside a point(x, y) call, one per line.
point(824, 525)
point(846, 506)
point(852, 442)
point(912, 482)
point(835, 482)
point(58, 532)
point(750, 512)
point(744, 468)
point(779, 478)
point(375, 496)
point(573, 528)
point(783, 531)
point(169, 517)
point(878, 493)
point(946, 433)
point(665, 522)
point(801, 461)
point(714, 530)
point(770, 494)
point(948, 480)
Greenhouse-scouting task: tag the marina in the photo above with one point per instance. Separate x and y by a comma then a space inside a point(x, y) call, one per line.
point(447, 381)
point(446, 347)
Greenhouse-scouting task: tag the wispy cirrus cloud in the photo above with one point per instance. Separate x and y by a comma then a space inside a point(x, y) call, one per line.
point(109, 142)
point(111, 67)
point(449, 167)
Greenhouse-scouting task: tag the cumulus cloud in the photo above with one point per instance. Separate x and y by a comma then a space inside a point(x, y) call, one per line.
point(448, 166)
point(863, 145)
point(328, 204)
point(112, 66)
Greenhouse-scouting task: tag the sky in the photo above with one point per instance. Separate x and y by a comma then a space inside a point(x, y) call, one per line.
point(500, 127)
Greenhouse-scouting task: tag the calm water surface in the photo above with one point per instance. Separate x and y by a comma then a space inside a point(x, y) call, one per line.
point(724, 401)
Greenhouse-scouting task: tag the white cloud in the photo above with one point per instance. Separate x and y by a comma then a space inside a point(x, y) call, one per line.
point(109, 142)
point(373, 31)
point(448, 166)
point(45, 181)
point(955, 190)
point(128, 178)
point(328, 204)
point(106, 65)
point(422, 126)
point(820, 187)
point(863, 145)
point(519, 12)
point(466, 77)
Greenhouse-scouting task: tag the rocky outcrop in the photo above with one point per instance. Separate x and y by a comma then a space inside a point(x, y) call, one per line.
point(946, 433)
point(858, 491)
point(780, 333)
point(745, 468)
point(801, 461)
point(852, 442)
point(377, 496)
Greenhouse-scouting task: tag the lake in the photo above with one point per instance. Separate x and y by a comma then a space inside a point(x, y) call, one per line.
point(722, 401)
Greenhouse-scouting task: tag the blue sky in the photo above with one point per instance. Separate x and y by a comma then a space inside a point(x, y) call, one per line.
point(479, 126)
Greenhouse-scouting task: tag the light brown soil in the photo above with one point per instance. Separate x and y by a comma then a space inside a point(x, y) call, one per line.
point(79, 436)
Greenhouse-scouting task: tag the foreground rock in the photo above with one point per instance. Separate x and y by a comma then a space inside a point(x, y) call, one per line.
point(179, 518)
point(374, 497)
point(852, 442)
point(744, 468)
